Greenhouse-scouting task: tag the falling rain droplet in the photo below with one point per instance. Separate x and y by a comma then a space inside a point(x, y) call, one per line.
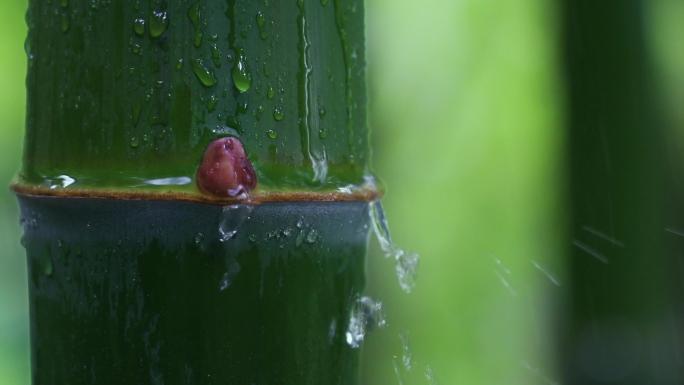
point(232, 218)
point(204, 75)
point(139, 26)
point(159, 22)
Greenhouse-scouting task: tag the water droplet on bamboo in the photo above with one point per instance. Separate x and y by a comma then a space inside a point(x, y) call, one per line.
point(241, 77)
point(139, 26)
point(159, 22)
point(204, 75)
point(278, 113)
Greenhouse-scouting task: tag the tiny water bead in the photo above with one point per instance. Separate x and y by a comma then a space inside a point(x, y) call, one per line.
point(225, 170)
point(139, 26)
point(278, 113)
point(159, 22)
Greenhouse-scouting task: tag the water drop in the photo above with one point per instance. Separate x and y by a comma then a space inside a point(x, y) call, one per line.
point(241, 77)
point(134, 142)
point(179, 63)
point(270, 93)
point(278, 113)
point(366, 314)
point(211, 104)
point(60, 181)
point(272, 134)
point(139, 26)
point(322, 112)
point(312, 236)
point(216, 55)
point(204, 75)
point(261, 24)
point(232, 217)
point(199, 238)
point(159, 22)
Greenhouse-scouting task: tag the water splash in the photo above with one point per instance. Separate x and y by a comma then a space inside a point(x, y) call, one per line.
point(406, 356)
point(366, 315)
point(406, 263)
point(232, 217)
point(430, 375)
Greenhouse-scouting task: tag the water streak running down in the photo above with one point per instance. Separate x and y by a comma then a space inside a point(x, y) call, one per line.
point(232, 218)
point(406, 263)
point(366, 315)
point(232, 270)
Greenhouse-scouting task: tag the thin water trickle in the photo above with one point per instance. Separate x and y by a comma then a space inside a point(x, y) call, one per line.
point(406, 263)
point(232, 270)
point(366, 315)
point(172, 181)
point(232, 217)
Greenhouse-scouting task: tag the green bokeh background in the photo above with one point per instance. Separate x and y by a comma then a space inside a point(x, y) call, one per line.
point(468, 125)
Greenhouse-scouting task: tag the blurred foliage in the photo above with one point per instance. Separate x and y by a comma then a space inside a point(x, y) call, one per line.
point(467, 119)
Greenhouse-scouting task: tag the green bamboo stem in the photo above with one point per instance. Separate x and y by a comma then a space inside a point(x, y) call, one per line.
point(136, 275)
